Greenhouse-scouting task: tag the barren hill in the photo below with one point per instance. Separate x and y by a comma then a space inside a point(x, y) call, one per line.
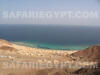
point(92, 53)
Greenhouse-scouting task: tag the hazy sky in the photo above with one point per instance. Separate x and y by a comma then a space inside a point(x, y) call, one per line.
point(51, 5)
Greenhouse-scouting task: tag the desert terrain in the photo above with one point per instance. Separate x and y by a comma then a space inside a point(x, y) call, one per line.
point(22, 60)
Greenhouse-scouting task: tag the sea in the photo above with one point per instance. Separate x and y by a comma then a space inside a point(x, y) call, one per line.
point(58, 37)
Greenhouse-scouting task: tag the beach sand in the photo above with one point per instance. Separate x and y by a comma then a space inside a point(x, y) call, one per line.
point(18, 54)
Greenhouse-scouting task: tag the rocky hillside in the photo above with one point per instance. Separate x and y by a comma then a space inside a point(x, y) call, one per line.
point(6, 46)
point(92, 53)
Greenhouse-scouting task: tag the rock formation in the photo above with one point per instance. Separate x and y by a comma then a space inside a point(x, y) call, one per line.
point(92, 53)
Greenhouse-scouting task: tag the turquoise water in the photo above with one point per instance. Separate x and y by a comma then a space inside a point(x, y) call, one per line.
point(51, 46)
point(51, 37)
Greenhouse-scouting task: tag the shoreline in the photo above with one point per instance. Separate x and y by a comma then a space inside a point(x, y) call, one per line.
point(16, 55)
point(46, 46)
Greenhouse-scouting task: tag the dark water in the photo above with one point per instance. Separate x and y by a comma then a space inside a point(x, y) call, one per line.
point(53, 37)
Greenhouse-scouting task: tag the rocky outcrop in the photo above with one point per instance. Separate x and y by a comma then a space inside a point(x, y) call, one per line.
point(92, 53)
point(6, 46)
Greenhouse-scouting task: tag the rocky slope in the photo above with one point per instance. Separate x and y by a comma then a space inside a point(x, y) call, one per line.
point(91, 54)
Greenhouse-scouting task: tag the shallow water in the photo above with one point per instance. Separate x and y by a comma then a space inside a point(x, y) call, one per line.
point(51, 46)
point(52, 37)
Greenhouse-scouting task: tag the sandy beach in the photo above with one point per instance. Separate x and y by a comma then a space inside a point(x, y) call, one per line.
point(36, 53)
point(23, 55)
